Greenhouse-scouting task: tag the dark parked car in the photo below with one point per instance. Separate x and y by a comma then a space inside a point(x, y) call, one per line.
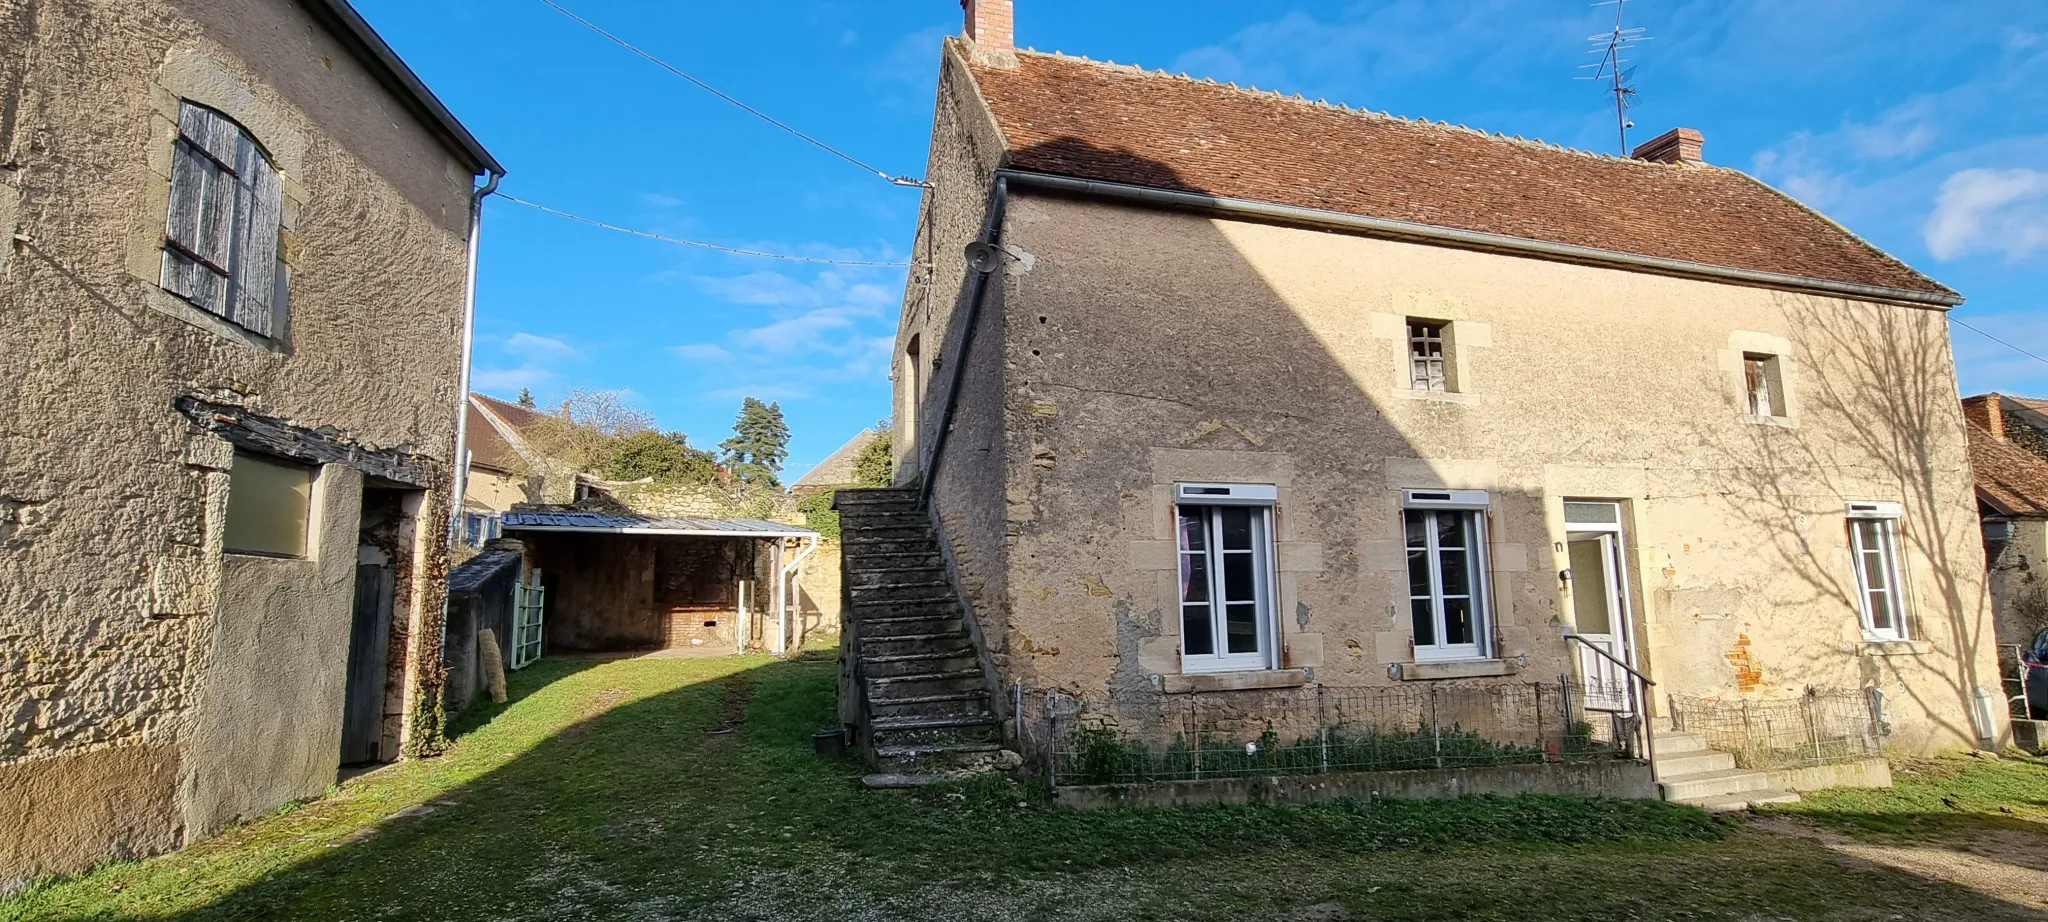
point(2034, 662)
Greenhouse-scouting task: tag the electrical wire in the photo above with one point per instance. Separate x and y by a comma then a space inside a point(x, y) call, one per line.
point(763, 116)
point(1953, 319)
point(699, 243)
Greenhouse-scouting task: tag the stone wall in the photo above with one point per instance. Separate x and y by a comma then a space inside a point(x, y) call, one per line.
point(1151, 347)
point(131, 642)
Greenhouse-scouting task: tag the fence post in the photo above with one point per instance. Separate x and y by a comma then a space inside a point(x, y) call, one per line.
point(1436, 729)
point(1812, 726)
point(1323, 729)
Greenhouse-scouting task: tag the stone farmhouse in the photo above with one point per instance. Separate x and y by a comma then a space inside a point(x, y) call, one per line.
point(2009, 457)
point(1252, 398)
point(240, 236)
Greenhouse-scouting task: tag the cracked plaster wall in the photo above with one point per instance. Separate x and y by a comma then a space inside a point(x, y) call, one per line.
point(1144, 347)
point(125, 645)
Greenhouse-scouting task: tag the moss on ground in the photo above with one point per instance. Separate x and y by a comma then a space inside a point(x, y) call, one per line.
point(685, 788)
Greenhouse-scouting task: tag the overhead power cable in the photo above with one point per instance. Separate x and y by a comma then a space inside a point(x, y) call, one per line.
point(699, 243)
point(1953, 319)
point(763, 116)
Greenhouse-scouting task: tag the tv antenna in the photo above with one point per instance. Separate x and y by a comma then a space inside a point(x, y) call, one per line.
point(1611, 69)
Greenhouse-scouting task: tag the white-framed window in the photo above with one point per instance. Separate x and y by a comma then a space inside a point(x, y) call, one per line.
point(221, 233)
point(1427, 358)
point(1874, 545)
point(1447, 587)
point(1225, 534)
point(1763, 384)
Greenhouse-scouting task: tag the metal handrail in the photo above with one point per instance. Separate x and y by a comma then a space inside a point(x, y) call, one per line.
point(1636, 702)
point(1612, 659)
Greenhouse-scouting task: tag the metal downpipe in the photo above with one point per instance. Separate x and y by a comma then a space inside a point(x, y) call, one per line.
point(991, 230)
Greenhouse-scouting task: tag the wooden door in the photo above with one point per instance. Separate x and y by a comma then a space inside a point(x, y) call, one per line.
point(369, 640)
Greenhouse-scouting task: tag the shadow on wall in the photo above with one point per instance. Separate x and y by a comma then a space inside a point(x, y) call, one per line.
point(1902, 440)
point(1132, 330)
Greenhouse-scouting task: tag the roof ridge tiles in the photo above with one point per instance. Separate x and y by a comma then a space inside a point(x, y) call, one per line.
point(1103, 122)
point(1413, 120)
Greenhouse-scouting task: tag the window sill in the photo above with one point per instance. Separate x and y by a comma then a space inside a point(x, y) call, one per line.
point(1872, 647)
point(170, 305)
point(1232, 681)
point(1780, 422)
point(1452, 669)
point(1457, 397)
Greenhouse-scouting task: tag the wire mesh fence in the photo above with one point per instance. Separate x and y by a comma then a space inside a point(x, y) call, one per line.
point(1817, 728)
point(1315, 730)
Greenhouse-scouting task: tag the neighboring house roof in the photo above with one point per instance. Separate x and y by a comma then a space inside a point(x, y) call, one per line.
point(514, 415)
point(1078, 118)
point(837, 470)
point(487, 447)
point(2010, 479)
point(355, 33)
point(651, 525)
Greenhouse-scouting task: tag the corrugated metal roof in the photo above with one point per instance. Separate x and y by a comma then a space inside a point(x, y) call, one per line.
point(652, 525)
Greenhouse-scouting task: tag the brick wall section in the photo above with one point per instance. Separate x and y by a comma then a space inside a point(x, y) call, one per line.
point(992, 24)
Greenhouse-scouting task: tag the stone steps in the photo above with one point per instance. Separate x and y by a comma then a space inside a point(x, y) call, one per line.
point(928, 707)
point(1688, 772)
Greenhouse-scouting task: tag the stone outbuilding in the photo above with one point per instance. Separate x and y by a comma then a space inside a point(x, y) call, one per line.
point(627, 582)
point(1223, 393)
point(235, 244)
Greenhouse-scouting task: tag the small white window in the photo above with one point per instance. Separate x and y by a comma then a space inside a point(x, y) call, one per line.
point(269, 501)
point(221, 232)
point(1427, 358)
point(1764, 386)
point(1873, 541)
point(1446, 578)
point(1226, 578)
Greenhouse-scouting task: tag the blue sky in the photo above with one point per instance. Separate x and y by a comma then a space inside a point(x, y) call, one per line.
point(1922, 126)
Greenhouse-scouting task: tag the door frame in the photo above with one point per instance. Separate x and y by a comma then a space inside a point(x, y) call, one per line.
point(1621, 615)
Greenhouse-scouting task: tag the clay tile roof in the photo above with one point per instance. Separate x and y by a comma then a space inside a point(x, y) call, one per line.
point(1084, 119)
point(486, 447)
point(514, 415)
point(2010, 479)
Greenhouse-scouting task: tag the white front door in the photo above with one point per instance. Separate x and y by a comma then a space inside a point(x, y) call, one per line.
point(1600, 613)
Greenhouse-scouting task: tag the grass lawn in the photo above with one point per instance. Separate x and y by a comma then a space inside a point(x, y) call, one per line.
point(685, 789)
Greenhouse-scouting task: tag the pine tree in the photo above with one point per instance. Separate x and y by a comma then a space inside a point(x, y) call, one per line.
point(526, 398)
point(759, 443)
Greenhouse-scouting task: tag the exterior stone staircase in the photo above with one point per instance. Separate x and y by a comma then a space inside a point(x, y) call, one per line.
point(1690, 773)
point(923, 701)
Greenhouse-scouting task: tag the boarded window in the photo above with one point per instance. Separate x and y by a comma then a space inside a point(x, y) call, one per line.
point(221, 249)
point(1426, 356)
point(269, 500)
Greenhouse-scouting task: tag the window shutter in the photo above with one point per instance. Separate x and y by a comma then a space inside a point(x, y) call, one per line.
point(201, 222)
point(259, 206)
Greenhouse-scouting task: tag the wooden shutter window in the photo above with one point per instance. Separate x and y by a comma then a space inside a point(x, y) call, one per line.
point(221, 232)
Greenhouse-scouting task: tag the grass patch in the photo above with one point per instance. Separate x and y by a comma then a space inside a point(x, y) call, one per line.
point(1936, 797)
point(631, 789)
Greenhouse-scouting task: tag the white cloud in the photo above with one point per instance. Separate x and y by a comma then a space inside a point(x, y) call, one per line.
point(1984, 210)
point(1903, 131)
point(505, 380)
point(538, 349)
point(703, 352)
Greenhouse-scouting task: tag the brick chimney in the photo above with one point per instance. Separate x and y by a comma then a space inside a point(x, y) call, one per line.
point(1987, 411)
point(1679, 145)
point(992, 25)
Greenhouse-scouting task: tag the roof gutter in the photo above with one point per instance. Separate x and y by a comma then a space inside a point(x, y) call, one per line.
point(355, 34)
point(1465, 239)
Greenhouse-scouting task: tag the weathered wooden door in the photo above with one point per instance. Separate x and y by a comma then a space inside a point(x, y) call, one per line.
point(369, 639)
